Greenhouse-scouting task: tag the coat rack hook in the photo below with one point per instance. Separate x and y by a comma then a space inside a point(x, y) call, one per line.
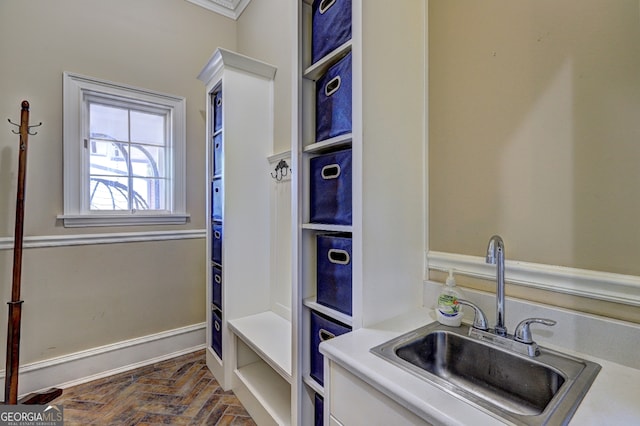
point(281, 170)
point(28, 127)
point(31, 127)
point(15, 124)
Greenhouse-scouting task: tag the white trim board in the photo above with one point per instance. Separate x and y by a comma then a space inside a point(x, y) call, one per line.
point(84, 366)
point(607, 286)
point(39, 241)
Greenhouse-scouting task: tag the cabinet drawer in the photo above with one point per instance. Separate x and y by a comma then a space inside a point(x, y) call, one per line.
point(330, 192)
point(216, 199)
point(216, 332)
point(322, 328)
point(333, 101)
point(334, 272)
point(217, 111)
point(216, 243)
point(217, 154)
point(318, 410)
point(216, 287)
point(331, 26)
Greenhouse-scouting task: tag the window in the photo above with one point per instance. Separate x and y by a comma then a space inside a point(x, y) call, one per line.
point(124, 161)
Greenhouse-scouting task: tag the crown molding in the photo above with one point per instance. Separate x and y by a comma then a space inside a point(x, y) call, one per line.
point(229, 8)
point(223, 57)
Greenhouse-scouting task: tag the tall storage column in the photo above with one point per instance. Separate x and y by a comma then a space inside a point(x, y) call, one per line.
point(239, 107)
point(360, 175)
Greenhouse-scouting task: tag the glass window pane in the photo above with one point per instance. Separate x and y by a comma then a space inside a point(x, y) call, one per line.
point(108, 122)
point(108, 158)
point(148, 161)
point(149, 194)
point(147, 128)
point(108, 193)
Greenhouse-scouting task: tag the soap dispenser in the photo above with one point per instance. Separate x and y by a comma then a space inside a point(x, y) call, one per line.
point(448, 311)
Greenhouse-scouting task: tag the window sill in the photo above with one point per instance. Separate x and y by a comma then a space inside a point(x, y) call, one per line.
point(85, 221)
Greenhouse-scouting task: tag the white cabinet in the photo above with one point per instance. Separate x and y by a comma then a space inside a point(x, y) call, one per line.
point(249, 314)
point(354, 402)
point(388, 152)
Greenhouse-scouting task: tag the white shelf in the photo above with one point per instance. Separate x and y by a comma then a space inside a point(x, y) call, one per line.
point(268, 388)
point(339, 316)
point(341, 141)
point(269, 335)
point(316, 70)
point(326, 227)
point(317, 388)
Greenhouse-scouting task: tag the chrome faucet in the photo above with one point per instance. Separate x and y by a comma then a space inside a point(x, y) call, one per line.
point(495, 256)
point(521, 341)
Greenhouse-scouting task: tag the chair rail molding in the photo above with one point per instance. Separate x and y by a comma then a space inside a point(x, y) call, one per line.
point(612, 287)
point(39, 241)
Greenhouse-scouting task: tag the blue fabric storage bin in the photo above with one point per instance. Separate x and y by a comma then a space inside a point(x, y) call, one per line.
point(216, 332)
point(333, 100)
point(318, 409)
point(322, 328)
point(216, 287)
point(217, 110)
point(330, 26)
point(217, 154)
point(216, 199)
point(330, 188)
point(216, 243)
point(333, 274)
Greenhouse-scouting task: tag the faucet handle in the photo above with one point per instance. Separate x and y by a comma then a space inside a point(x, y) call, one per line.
point(523, 331)
point(479, 320)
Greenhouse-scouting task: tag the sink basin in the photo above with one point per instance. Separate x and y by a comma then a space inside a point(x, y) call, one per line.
point(545, 389)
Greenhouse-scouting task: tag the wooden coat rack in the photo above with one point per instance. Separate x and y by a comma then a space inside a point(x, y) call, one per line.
point(15, 305)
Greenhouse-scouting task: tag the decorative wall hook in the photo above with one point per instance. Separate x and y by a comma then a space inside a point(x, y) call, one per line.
point(281, 170)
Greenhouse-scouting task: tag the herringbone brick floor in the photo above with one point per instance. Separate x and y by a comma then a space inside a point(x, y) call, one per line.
point(179, 391)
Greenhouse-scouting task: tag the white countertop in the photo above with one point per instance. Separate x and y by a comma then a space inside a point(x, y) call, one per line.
point(612, 399)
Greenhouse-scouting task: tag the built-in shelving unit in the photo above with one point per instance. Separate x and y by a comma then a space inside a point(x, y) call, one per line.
point(254, 357)
point(387, 143)
point(266, 316)
point(308, 147)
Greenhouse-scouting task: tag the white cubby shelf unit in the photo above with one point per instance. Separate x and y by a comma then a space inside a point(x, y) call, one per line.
point(388, 155)
point(256, 359)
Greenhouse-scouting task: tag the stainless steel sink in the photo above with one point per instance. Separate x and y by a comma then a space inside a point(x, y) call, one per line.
point(541, 390)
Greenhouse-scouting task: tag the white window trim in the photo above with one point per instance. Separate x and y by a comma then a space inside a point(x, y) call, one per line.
point(74, 86)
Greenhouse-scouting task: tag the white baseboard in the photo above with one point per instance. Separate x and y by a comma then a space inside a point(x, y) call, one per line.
point(84, 366)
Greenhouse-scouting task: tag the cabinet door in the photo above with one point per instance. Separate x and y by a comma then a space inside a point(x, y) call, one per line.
point(353, 402)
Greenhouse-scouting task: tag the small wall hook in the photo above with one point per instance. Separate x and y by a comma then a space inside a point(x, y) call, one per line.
point(281, 170)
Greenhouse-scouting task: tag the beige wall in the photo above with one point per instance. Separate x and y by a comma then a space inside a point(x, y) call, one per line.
point(82, 297)
point(534, 130)
point(265, 33)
